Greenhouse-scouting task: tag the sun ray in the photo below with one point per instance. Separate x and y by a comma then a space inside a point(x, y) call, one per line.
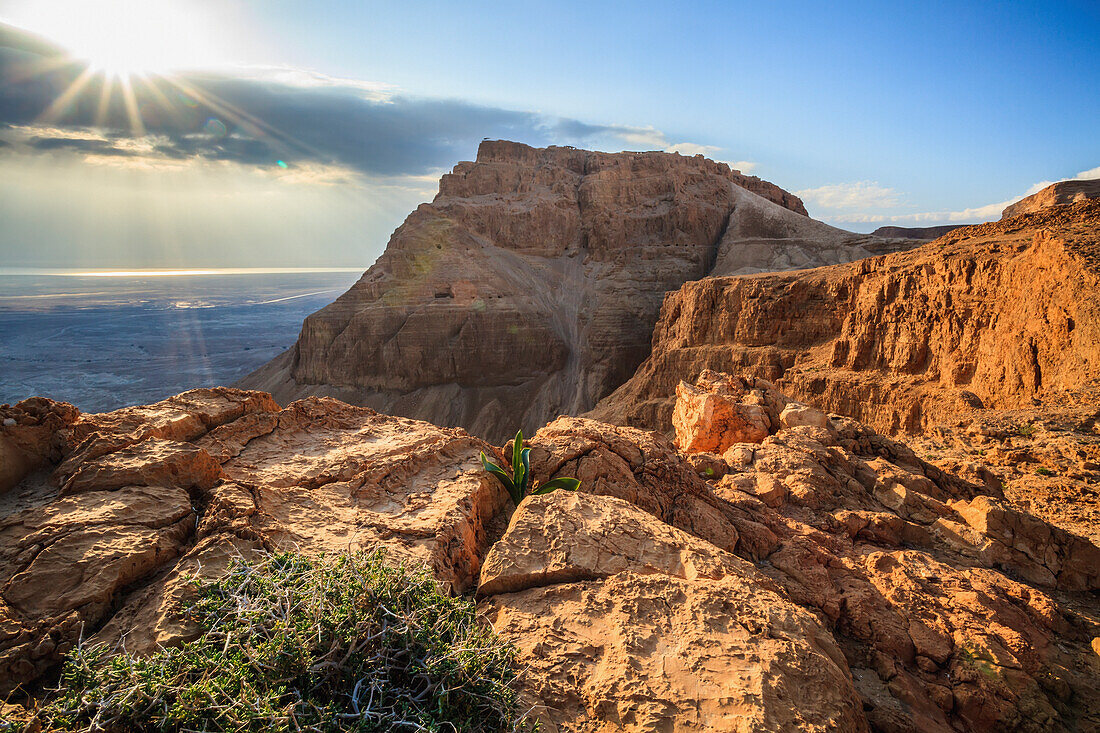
point(57, 108)
point(149, 83)
point(137, 126)
point(21, 72)
point(250, 123)
point(104, 100)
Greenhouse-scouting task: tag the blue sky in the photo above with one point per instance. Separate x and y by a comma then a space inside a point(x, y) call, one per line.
point(951, 104)
point(876, 113)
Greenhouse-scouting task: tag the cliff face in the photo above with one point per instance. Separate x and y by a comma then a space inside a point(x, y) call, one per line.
point(1063, 192)
point(529, 287)
point(994, 315)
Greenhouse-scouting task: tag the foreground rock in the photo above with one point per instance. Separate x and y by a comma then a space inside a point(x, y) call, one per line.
point(625, 623)
point(953, 609)
point(813, 575)
point(150, 495)
point(534, 279)
point(990, 316)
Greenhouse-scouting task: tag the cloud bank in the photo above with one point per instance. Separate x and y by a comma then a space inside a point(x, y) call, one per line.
point(854, 203)
point(259, 116)
point(850, 196)
point(262, 164)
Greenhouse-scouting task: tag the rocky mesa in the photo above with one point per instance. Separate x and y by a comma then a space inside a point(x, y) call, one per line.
point(535, 278)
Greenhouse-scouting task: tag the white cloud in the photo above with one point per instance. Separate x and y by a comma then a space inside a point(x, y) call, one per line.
point(649, 138)
point(848, 196)
point(693, 149)
point(373, 91)
point(988, 212)
point(862, 195)
point(745, 166)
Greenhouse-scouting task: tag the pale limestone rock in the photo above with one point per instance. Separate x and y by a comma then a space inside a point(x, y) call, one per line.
point(62, 565)
point(795, 414)
point(152, 462)
point(565, 537)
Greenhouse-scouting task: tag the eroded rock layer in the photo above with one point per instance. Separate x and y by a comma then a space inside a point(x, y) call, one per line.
point(529, 287)
point(782, 569)
point(994, 316)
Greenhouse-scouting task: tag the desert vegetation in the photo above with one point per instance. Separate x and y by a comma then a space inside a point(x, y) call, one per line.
point(518, 480)
point(339, 643)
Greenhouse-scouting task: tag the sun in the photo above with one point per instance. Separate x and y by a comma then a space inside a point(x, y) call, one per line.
point(126, 38)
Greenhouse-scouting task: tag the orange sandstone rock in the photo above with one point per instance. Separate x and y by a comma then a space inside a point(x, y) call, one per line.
point(992, 316)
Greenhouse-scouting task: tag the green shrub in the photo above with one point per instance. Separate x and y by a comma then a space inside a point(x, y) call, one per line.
point(517, 481)
point(289, 643)
point(1044, 471)
point(1026, 430)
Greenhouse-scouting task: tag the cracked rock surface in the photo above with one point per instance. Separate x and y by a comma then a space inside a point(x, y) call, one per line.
point(141, 498)
point(811, 574)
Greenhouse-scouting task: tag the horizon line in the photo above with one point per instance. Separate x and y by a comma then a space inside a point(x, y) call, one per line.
point(169, 272)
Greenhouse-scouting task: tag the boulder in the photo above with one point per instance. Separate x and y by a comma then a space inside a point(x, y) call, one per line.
point(719, 411)
point(645, 469)
point(624, 623)
point(29, 437)
point(62, 566)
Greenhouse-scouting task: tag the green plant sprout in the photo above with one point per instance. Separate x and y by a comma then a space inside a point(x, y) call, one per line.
point(517, 482)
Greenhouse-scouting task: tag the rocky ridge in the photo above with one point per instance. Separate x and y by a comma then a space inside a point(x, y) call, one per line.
point(534, 278)
point(989, 316)
point(1063, 192)
point(801, 572)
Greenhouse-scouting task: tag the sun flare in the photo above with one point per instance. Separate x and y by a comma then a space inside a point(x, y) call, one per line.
point(124, 38)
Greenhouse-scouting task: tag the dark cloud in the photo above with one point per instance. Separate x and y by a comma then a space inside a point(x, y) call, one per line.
point(84, 145)
point(259, 121)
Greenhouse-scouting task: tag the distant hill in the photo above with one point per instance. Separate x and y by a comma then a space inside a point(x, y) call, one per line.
point(928, 233)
